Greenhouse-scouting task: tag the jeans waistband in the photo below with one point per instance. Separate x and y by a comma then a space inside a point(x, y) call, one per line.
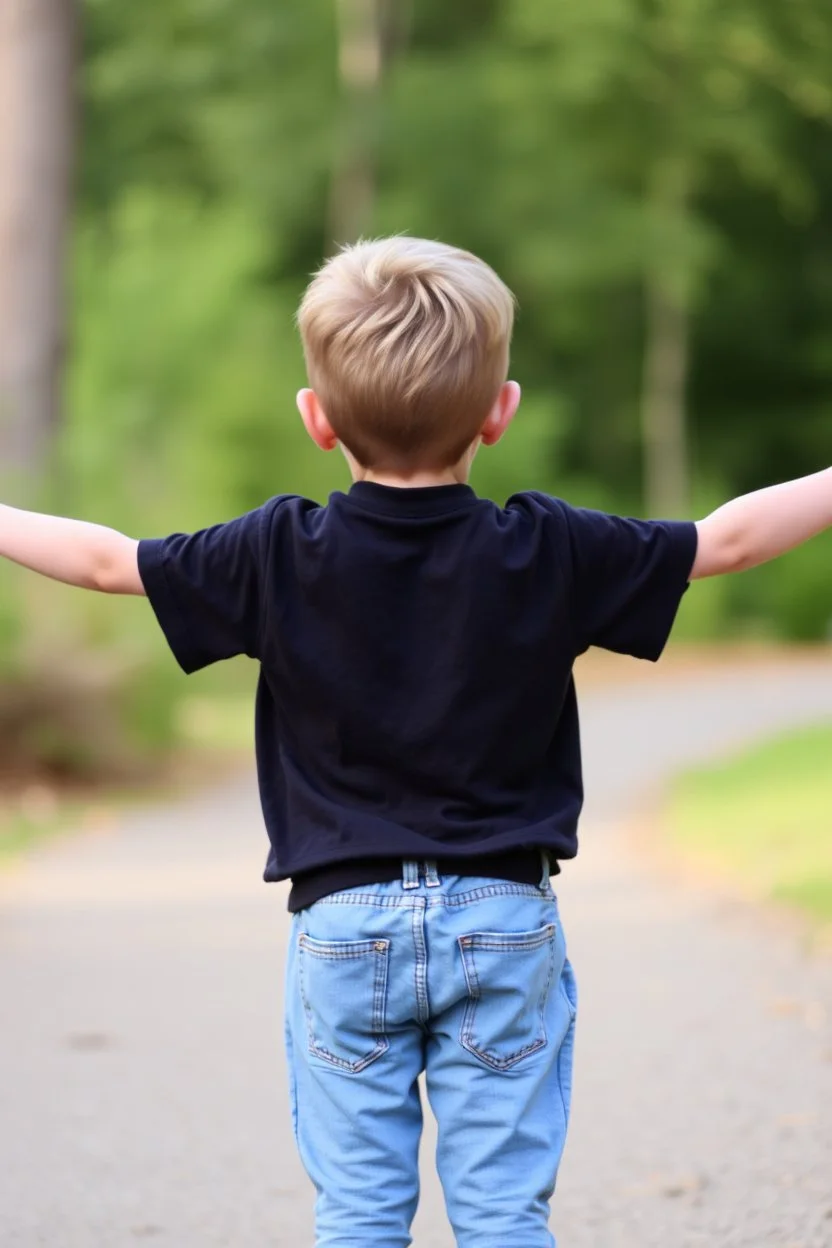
point(519, 866)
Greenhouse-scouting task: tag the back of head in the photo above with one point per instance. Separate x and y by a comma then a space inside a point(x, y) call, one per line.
point(406, 344)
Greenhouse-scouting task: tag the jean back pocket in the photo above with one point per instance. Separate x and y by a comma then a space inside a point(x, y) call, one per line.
point(508, 975)
point(343, 986)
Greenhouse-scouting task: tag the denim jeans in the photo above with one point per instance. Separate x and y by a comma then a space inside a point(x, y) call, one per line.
point(463, 978)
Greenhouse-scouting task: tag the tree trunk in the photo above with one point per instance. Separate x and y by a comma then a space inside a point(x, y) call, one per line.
point(370, 34)
point(666, 469)
point(666, 350)
point(37, 129)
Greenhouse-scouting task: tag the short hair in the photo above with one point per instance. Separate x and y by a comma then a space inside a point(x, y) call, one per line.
point(406, 344)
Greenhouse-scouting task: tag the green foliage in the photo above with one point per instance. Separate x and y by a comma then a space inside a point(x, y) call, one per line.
point(11, 627)
point(763, 817)
point(147, 703)
point(791, 596)
point(581, 149)
point(20, 831)
point(578, 148)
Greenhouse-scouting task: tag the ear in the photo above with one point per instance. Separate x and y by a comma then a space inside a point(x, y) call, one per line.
point(501, 414)
point(314, 420)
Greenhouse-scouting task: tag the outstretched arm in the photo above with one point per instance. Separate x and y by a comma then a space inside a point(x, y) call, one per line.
point(71, 551)
point(760, 526)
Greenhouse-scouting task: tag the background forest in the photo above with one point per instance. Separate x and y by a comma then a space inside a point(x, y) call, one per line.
point(653, 178)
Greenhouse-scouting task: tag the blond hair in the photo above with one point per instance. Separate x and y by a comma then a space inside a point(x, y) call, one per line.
point(406, 344)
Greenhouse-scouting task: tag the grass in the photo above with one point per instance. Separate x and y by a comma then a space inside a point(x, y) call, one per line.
point(18, 832)
point(764, 817)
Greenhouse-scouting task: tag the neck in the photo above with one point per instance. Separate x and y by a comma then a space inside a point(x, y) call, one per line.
point(417, 480)
point(457, 474)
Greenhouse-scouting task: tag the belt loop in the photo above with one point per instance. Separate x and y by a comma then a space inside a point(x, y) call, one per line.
point(431, 874)
point(410, 874)
point(546, 872)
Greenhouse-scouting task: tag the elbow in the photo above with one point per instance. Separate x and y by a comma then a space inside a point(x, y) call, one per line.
point(115, 569)
point(720, 554)
point(106, 574)
point(102, 578)
point(737, 556)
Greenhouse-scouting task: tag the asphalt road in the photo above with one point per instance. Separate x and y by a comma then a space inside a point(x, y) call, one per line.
point(142, 1091)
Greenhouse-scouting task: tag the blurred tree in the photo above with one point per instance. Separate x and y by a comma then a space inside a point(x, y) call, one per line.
point(370, 34)
point(647, 105)
point(652, 177)
point(37, 127)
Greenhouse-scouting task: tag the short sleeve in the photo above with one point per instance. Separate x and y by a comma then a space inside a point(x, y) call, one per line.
point(206, 589)
point(628, 579)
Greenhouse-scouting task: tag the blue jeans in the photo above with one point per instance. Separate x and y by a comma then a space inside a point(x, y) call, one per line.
point(465, 979)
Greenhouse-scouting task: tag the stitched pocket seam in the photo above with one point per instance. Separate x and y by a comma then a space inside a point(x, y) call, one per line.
point(486, 941)
point(333, 952)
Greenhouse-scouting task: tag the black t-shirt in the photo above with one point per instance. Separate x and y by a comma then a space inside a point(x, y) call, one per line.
point(416, 648)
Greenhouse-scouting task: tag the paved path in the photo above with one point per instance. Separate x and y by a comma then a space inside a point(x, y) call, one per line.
point(141, 1079)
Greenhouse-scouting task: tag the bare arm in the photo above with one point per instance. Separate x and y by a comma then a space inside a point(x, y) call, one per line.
point(760, 526)
point(71, 551)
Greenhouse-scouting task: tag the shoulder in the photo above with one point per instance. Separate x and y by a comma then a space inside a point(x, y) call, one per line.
point(529, 527)
point(287, 507)
point(531, 510)
point(534, 503)
point(256, 535)
point(286, 513)
point(580, 535)
point(587, 524)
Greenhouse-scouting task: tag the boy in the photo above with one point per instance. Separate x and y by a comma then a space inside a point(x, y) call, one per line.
point(417, 734)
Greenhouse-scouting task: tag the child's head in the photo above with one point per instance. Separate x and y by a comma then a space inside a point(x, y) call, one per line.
point(406, 344)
